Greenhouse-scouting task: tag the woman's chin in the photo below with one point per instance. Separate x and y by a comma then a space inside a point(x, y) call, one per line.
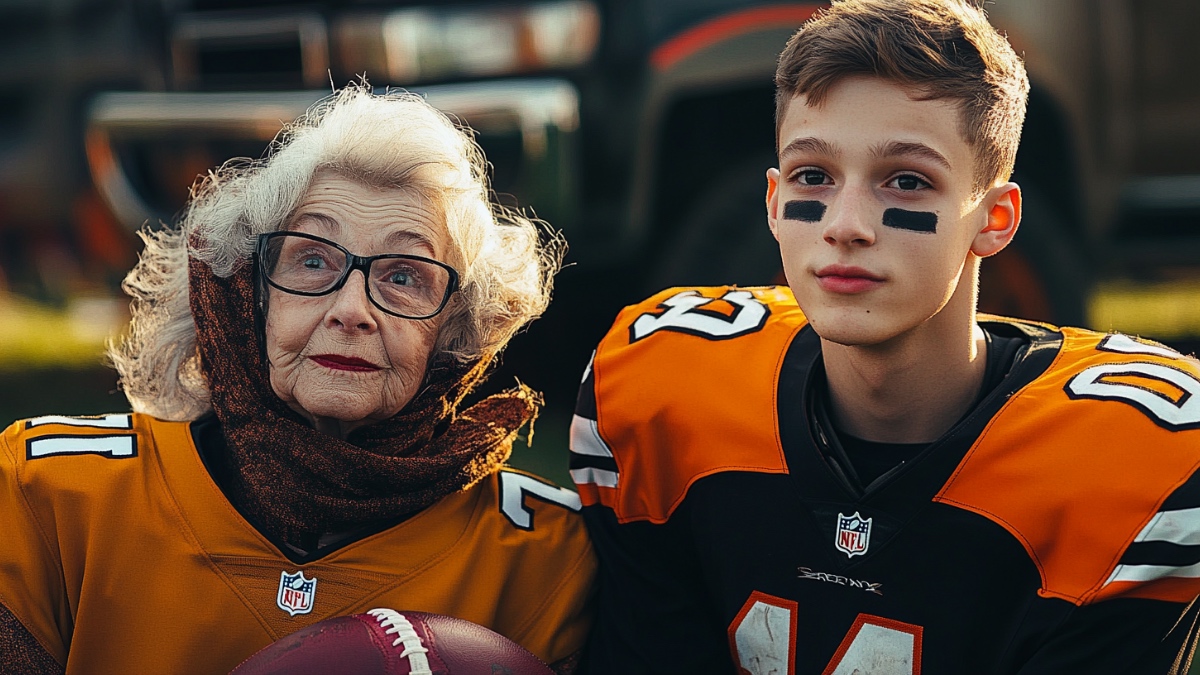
point(330, 403)
point(329, 410)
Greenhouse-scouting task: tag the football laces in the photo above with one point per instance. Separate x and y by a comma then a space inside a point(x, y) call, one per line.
point(406, 635)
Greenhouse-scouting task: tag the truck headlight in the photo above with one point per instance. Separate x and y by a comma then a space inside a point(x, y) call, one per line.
point(423, 43)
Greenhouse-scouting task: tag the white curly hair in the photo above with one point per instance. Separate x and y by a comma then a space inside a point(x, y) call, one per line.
point(506, 261)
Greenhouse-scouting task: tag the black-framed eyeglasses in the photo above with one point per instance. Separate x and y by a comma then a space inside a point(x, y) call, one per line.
point(408, 286)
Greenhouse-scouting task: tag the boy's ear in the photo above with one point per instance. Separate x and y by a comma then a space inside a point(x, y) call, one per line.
point(1003, 205)
point(773, 201)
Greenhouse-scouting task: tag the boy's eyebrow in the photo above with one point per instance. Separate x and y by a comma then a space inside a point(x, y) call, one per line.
point(910, 149)
point(811, 145)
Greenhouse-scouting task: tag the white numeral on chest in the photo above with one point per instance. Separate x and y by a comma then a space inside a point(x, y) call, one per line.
point(878, 645)
point(763, 636)
point(763, 640)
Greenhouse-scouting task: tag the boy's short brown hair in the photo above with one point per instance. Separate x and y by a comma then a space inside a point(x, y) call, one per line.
point(943, 49)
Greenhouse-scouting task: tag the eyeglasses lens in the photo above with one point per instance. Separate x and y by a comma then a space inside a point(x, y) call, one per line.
point(402, 285)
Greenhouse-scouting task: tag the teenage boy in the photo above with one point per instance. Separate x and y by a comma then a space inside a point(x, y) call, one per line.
point(868, 477)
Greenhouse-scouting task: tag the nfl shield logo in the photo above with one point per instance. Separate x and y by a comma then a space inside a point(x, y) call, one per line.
point(296, 593)
point(853, 534)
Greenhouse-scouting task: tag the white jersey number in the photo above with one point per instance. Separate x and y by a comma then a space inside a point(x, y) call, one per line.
point(515, 487)
point(1169, 396)
point(763, 636)
point(686, 314)
point(763, 639)
point(878, 645)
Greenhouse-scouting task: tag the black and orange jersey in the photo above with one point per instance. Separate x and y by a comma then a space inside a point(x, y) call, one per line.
point(121, 555)
point(1054, 529)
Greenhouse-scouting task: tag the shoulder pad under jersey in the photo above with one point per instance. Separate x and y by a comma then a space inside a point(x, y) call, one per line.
point(683, 386)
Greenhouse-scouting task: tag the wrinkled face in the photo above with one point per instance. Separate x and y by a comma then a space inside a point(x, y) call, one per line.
point(337, 359)
point(875, 213)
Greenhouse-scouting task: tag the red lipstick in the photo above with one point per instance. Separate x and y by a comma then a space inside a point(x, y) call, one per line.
point(338, 362)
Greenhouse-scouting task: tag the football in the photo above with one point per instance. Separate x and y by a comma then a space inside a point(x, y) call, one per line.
point(388, 642)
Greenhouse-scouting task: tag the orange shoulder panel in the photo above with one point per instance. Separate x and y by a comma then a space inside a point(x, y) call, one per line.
point(1079, 461)
point(686, 386)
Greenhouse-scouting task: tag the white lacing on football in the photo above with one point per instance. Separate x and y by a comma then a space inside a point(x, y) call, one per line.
point(406, 635)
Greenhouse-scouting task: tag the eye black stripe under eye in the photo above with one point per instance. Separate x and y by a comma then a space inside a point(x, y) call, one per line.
point(914, 221)
point(808, 211)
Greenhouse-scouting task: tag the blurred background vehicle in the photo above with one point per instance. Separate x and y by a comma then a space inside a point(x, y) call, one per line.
point(640, 128)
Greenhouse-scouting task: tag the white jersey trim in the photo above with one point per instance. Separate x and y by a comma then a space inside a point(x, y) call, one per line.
point(586, 440)
point(593, 476)
point(1143, 573)
point(114, 421)
point(1178, 527)
point(588, 370)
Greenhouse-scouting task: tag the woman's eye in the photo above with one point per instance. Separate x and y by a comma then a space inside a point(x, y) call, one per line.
point(908, 183)
point(312, 262)
point(401, 277)
point(812, 177)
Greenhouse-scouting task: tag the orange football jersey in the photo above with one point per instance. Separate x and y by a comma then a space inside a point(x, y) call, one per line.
point(121, 555)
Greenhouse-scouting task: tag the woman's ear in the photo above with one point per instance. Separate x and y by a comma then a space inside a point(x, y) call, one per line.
point(1003, 206)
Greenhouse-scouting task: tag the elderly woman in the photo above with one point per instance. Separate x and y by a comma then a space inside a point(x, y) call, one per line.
point(297, 356)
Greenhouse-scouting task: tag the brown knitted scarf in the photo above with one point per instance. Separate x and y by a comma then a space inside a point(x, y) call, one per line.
point(297, 482)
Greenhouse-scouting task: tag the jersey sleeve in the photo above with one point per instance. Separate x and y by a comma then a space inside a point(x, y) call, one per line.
point(655, 389)
point(661, 382)
point(651, 615)
point(1106, 448)
point(1143, 619)
point(1126, 635)
point(31, 587)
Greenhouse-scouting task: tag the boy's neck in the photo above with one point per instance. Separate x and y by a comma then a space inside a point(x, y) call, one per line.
point(911, 389)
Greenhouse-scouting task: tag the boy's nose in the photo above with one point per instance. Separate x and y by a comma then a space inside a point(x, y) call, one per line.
point(848, 222)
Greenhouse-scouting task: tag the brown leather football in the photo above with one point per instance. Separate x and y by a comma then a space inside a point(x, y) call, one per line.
point(388, 642)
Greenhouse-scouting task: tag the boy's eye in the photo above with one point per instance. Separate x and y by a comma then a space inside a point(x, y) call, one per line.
point(812, 177)
point(908, 182)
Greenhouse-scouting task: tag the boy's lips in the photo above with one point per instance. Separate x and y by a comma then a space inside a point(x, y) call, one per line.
point(339, 362)
point(847, 279)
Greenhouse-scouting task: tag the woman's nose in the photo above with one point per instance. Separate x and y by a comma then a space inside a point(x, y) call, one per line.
point(351, 308)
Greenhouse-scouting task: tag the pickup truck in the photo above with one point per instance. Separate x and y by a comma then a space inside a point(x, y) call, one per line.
point(640, 128)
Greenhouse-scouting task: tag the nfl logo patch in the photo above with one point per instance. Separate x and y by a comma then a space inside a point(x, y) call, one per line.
point(296, 593)
point(853, 534)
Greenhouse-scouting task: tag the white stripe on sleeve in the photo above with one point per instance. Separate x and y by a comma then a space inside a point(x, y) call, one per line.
point(585, 438)
point(1178, 527)
point(593, 476)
